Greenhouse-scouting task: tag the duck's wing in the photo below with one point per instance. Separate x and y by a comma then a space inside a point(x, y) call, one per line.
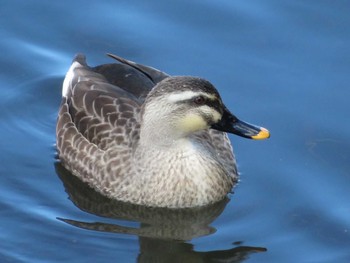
point(153, 74)
point(100, 108)
point(135, 78)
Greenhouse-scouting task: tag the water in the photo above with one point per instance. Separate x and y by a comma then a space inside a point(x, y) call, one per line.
point(281, 64)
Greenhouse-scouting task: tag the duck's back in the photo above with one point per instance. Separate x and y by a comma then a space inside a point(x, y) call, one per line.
point(99, 114)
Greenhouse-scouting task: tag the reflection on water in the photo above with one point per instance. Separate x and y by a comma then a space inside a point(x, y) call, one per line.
point(162, 232)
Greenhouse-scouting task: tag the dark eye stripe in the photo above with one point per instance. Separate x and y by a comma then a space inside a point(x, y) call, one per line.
point(215, 104)
point(211, 102)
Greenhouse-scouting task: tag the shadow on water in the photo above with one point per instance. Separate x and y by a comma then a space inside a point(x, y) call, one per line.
point(163, 233)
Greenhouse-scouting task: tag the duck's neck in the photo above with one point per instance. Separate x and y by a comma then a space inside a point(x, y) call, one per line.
point(181, 175)
point(160, 133)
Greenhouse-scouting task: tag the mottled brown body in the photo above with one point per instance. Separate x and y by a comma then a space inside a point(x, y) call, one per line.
point(98, 138)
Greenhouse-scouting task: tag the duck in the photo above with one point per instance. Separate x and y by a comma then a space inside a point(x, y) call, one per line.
point(141, 136)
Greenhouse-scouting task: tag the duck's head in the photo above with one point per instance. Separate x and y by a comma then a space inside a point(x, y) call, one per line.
point(184, 105)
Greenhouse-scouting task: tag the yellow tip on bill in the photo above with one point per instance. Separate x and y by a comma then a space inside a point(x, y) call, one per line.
point(263, 134)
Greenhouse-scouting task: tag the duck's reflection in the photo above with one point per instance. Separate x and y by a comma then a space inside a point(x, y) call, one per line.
point(162, 232)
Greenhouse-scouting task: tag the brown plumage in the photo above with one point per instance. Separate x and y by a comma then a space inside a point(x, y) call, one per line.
point(138, 135)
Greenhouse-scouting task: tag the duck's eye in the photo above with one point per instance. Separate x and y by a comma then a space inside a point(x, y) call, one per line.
point(200, 100)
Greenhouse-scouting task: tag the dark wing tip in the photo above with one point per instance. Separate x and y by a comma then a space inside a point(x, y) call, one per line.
point(153, 74)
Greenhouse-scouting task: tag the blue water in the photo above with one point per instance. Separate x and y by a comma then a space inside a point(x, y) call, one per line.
point(280, 64)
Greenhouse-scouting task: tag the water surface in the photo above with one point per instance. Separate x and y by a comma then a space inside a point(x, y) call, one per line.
point(280, 64)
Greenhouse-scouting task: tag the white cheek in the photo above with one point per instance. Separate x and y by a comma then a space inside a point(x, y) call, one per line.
point(216, 116)
point(192, 123)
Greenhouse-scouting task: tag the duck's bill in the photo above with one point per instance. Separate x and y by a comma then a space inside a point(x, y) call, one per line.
point(231, 124)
